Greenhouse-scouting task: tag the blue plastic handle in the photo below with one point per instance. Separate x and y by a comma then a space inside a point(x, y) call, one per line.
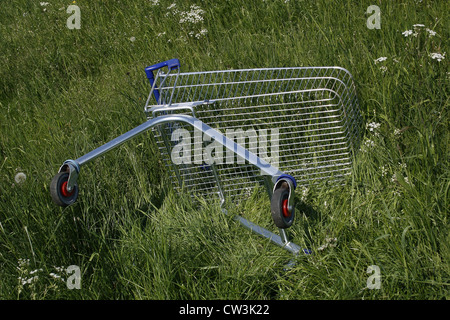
point(171, 64)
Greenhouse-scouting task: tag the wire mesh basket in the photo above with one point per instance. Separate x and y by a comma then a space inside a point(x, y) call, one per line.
point(307, 117)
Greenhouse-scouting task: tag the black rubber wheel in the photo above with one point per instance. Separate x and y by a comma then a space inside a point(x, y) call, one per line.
point(281, 215)
point(58, 190)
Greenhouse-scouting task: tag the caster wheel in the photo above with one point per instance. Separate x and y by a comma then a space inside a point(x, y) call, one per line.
point(281, 215)
point(58, 190)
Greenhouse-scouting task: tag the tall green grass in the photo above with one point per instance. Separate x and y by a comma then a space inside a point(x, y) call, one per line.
point(65, 92)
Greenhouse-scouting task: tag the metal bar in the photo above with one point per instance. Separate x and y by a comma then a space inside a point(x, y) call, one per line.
point(276, 239)
point(261, 164)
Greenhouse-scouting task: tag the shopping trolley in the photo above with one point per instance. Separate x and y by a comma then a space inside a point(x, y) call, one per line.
point(223, 133)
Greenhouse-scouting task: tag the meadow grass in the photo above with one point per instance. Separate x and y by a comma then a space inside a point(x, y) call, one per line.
point(65, 92)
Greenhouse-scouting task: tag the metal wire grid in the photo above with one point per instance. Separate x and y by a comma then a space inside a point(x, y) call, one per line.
point(314, 111)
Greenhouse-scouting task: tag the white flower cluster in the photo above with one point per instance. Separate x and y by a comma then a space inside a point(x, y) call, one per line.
point(437, 56)
point(195, 15)
point(368, 143)
point(381, 59)
point(189, 21)
point(407, 33)
point(44, 4)
point(384, 171)
point(305, 192)
point(373, 126)
point(201, 33)
point(27, 277)
point(416, 31)
point(329, 242)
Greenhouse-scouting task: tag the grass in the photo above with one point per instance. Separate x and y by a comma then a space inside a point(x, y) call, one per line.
point(65, 92)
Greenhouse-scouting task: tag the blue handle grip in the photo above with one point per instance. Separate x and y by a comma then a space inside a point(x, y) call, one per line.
point(171, 64)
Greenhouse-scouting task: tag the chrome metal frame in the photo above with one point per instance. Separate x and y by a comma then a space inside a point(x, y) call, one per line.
point(73, 167)
point(315, 108)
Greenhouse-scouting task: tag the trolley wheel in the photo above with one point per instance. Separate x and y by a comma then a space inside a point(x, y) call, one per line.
point(281, 215)
point(58, 190)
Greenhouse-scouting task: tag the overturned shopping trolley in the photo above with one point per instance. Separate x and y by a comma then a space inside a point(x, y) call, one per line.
point(221, 133)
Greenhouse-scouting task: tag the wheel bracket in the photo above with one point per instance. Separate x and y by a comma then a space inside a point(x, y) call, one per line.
point(73, 168)
point(289, 182)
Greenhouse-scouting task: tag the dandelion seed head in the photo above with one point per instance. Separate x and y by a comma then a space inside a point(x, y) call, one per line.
point(20, 177)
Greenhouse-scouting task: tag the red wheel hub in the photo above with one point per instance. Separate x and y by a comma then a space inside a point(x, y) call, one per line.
point(285, 210)
point(64, 190)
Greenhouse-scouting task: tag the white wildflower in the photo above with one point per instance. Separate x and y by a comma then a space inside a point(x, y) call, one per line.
point(201, 33)
point(161, 34)
point(383, 69)
point(373, 126)
point(384, 171)
point(305, 191)
point(35, 271)
point(59, 269)
point(154, 2)
point(418, 25)
point(23, 262)
point(437, 56)
point(44, 4)
point(173, 5)
point(329, 242)
point(381, 59)
point(407, 33)
point(133, 39)
point(431, 32)
point(193, 16)
point(367, 145)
